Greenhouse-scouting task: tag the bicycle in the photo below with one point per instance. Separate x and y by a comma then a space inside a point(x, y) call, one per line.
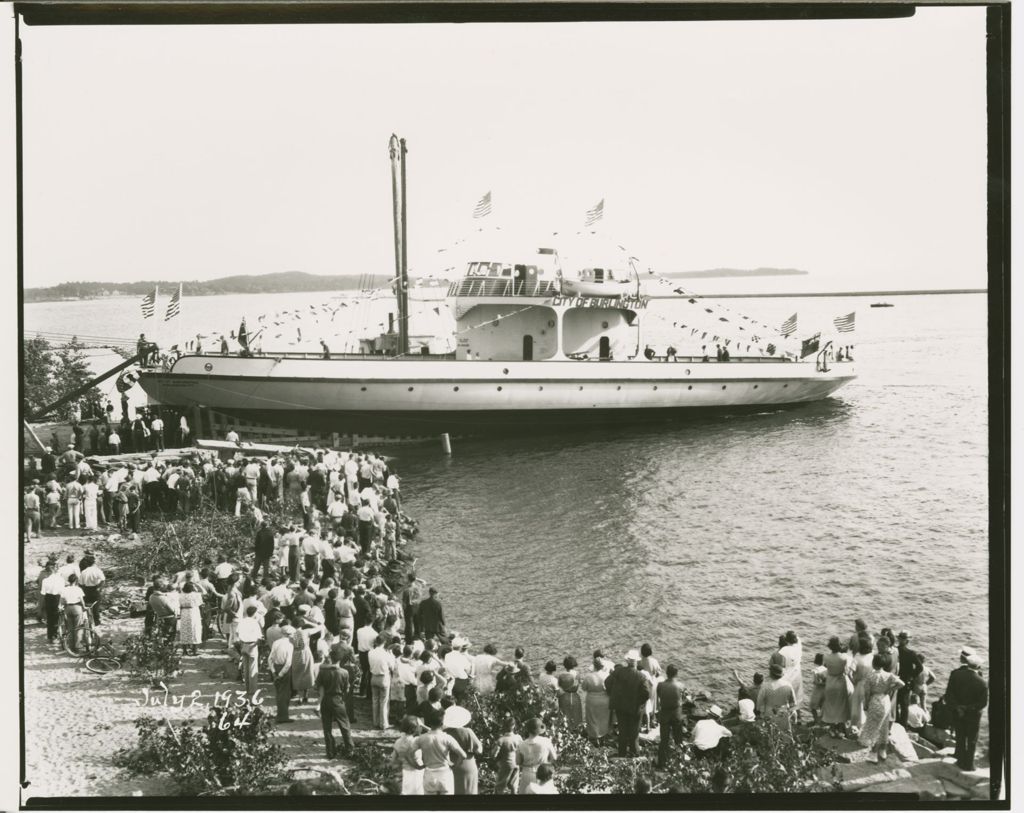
point(99, 655)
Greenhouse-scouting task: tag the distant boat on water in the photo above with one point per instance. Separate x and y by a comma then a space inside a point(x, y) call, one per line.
point(881, 304)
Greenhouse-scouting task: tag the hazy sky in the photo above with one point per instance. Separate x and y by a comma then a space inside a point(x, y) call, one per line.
point(852, 149)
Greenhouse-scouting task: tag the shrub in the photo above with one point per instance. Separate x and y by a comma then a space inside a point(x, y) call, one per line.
point(232, 754)
point(761, 759)
point(151, 657)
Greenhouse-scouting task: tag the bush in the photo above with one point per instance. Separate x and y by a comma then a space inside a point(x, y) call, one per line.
point(184, 543)
point(231, 755)
point(761, 759)
point(151, 657)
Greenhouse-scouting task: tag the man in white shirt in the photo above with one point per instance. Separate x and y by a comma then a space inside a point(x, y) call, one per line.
point(91, 580)
point(69, 567)
point(459, 667)
point(231, 436)
point(248, 634)
point(405, 678)
point(282, 594)
point(156, 427)
point(51, 588)
point(281, 670)
point(365, 638)
point(382, 663)
point(709, 733)
point(336, 510)
point(311, 553)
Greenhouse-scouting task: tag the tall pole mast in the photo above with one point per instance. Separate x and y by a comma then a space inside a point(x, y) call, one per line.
point(396, 149)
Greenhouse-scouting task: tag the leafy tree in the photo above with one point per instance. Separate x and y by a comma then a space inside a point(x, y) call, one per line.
point(40, 366)
point(73, 371)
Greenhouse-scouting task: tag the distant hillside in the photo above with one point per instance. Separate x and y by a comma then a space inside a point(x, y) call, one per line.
point(279, 283)
point(737, 272)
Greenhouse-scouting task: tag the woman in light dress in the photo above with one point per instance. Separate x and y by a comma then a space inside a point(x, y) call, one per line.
point(776, 699)
point(835, 709)
point(533, 751)
point(569, 701)
point(486, 666)
point(190, 622)
point(596, 710)
point(792, 656)
point(302, 665)
point(649, 667)
point(90, 494)
point(547, 682)
point(879, 687)
point(861, 671)
point(408, 758)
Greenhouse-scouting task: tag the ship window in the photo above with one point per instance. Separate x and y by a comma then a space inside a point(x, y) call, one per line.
point(456, 389)
point(598, 275)
point(499, 389)
point(587, 274)
point(494, 271)
point(410, 389)
point(506, 271)
point(363, 389)
point(755, 386)
point(723, 386)
point(690, 387)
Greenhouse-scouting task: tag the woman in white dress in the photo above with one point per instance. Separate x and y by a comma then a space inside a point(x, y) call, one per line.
point(792, 654)
point(190, 622)
point(90, 493)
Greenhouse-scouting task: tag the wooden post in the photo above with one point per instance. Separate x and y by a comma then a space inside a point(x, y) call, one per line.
point(446, 443)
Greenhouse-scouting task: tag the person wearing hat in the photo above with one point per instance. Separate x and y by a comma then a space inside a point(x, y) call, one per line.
point(966, 697)
point(32, 515)
point(430, 616)
point(459, 667)
point(280, 662)
point(776, 699)
point(50, 589)
point(910, 667)
point(456, 718)
point(627, 696)
point(709, 733)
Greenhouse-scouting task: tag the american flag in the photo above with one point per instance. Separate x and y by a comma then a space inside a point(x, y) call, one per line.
point(789, 326)
point(149, 304)
point(483, 207)
point(595, 214)
point(174, 305)
point(844, 324)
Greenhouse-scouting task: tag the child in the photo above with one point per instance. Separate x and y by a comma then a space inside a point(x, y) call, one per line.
point(820, 674)
point(543, 783)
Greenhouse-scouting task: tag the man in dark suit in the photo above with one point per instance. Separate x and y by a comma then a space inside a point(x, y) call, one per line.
point(966, 697)
point(334, 681)
point(430, 616)
point(264, 549)
point(627, 693)
point(910, 668)
point(671, 697)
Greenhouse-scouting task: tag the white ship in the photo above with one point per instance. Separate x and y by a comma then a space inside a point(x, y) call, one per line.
point(536, 347)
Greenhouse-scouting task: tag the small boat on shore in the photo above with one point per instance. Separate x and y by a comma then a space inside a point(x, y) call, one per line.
point(881, 304)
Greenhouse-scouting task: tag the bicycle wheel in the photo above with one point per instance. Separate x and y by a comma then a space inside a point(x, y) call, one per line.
point(102, 666)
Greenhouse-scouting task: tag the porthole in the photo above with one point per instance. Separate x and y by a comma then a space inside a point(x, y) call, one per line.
point(505, 371)
point(362, 389)
point(410, 389)
point(723, 386)
point(499, 389)
point(456, 389)
point(655, 386)
point(755, 386)
point(551, 322)
point(687, 370)
point(604, 325)
point(581, 388)
point(207, 366)
point(690, 387)
point(619, 387)
point(540, 387)
point(785, 385)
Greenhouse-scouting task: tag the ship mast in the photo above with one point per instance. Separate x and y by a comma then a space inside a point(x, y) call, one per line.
point(396, 149)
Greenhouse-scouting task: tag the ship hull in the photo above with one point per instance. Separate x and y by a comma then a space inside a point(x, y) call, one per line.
point(428, 397)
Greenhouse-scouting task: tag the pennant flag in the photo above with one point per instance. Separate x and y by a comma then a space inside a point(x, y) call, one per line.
point(678, 291)
point(483, 207)
point(788, 327)
point(149, 304)
point(844, 324)
point(174, 305)
point(692, 301)
point(595, 214)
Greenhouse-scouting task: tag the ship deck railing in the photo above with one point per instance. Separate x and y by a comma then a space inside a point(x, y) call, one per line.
point(500, 286)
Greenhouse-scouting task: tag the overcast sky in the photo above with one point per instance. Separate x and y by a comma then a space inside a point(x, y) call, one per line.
point(854, 150)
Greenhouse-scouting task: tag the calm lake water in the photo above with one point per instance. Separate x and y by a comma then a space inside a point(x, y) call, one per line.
point(710, 538)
